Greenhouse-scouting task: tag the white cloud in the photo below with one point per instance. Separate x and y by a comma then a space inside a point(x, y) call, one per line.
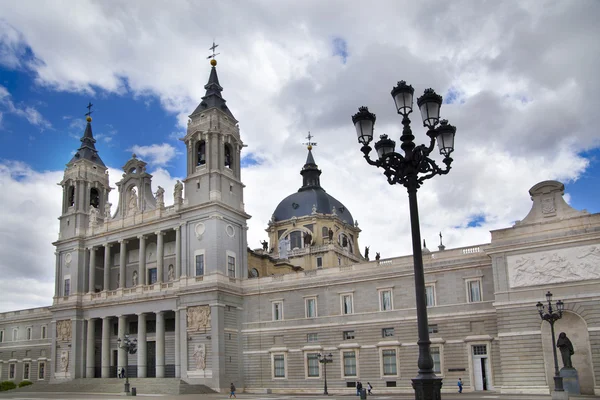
point(28, 112)
point(157, 154)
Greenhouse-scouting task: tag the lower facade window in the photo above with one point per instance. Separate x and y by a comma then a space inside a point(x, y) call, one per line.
point(279, 365)
point(437, 360)
point(349, 363)
point(312, 365)
point(389, 362)
point(26, 371)
point(12, 371)
point(67, 287)
point(474, 290)
point(200, 265)
point(231, 266)
point(41, 370)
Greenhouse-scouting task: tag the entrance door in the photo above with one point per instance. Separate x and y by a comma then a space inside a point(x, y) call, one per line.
point(481, 367)
point(151, 359)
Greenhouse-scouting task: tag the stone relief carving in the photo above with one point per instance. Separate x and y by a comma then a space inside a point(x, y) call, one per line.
point(68, 259)
point(63, 330)
point(548, 205)
point(64, 360)
point(199, 230)
point(200, 356)
point(94, 217)
point(564, 265)
point(198, 318)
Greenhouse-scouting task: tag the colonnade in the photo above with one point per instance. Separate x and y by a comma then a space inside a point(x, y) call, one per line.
point(141, 270)
point(141, 354)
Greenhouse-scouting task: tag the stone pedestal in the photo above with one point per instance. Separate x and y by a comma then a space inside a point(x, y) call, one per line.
point(570, 381)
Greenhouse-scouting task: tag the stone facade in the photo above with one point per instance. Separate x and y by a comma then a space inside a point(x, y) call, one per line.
point(180, 279)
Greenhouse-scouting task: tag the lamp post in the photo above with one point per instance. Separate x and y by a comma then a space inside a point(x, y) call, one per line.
point(130, 347)
point(551, 316)
point(411, 169)
point(325, 359)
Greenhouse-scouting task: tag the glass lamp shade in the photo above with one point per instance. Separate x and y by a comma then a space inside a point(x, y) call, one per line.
point(540, 307)
point(445, 138)
point(560, 305)
point(384, 146)
point(364, 122)
point(403, 97)
point(430, 104)
point(549, 296)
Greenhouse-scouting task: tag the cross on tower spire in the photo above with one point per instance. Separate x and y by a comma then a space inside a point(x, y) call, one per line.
point(89, 107)
point(213, 48)
point(310, 144)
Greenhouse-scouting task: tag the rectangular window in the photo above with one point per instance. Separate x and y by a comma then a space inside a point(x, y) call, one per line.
point(200, 265)
point(312, 365)
point(480, 350)
point(349, 363)
point(231, 266)
point(67, 287)
point(277, 310)
point(311, 307)
point(433, 328)
point(385, 300)
point(348, 335)
point(1, 336)
point(44, 333)
point(474, 290)
point(437, 362)
point(319, 262)
point(347, 304)
point(41, 370)
point(29, 333)
point(15, 334)
point(387, 332)
point(152, 276)
point(430, 295)
point(12, 371)
point(26, 371)
point(312, 337)
point(389, 362)
point(279, 365)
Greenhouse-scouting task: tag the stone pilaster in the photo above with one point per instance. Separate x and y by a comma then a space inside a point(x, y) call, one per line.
point(122, 263)
point(142, 261)
point(90, 359)
point(142, 346)
point(160, 344)
point(106, 284)
point(122, 354)
point(92, 272)
point(160, 253)
point(106, 347)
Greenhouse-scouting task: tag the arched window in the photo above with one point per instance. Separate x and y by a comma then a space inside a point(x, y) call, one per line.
point(94, 197)
point(295, 240)
point(228, 156)
point(71, 196)
point(325, 231)
point(201, 153)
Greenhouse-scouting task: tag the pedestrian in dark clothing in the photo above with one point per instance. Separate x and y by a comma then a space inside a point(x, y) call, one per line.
point(369, 387)
point(232, 390)
point(460, 385)
point(358, 388)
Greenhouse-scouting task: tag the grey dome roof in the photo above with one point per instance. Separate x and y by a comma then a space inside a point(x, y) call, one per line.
point(311, 193)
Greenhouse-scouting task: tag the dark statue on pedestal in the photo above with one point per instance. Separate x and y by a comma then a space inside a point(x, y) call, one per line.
point(377, 256)
point(330, 233)
point(265, 245)
point(566, 349)
point(367, 253)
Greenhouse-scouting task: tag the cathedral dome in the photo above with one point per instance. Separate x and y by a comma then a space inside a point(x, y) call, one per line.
point(311, 198)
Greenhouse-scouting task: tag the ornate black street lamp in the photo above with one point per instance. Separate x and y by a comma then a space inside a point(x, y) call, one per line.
point(130, 347)
point(411, 169)
point(551, 316)
point(325, 359)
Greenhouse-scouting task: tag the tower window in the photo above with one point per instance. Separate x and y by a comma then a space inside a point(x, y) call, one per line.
point(228, 156)
point(71, 194)
point(94, 197)
point(201, 152)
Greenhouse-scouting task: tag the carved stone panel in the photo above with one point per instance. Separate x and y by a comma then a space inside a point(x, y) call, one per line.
point(555, 266)
point(200, 356)
point(198, 318)
point(64, 361)
point(63, 330)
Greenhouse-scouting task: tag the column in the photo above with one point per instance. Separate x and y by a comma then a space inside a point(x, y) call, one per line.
point(177, 345)
point(92, 274)
point(177, 252)
point(106, 347)
point(141, 352)
point(121, 335)
point(142, 273)
point(106, 284)
point(160, 344)
point(90, 356)
point(58, 278)
point(160, 252)
point(122, 263)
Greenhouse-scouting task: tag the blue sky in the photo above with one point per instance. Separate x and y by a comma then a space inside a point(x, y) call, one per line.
point(518, 80)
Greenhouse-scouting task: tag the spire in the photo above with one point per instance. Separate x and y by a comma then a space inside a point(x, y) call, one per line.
point(310, 172)
point(88, 151)
point(213, 98)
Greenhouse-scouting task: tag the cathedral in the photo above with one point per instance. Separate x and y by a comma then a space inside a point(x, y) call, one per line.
point(205, 309)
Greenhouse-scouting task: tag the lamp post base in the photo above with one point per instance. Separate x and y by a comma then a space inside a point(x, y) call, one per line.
point(126, 387)
point(427, 388)
point(560, 395)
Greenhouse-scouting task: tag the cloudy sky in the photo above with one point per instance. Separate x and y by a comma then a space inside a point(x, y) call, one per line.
point(519, 80)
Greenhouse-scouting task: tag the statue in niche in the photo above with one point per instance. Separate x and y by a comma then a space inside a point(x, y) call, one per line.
point(118, 280)
point(64, 361)
point(107, 207)
point(198, 318)
point(178, 192)
point(200, 356)
point(367, 253)
point(307, 240)
point(344, 241)
point(93, 216)
point(63, 330)
point(265, 245)
point(134, 278)
point(566, 349)
point(330, 234)
point(160, 197)
point(171, 273)
point(133, 201)
point(377, 256)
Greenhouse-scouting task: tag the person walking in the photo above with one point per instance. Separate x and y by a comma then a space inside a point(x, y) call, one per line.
point(358, 388)
point(232, 390)
point(460, 385)
point(369, 388)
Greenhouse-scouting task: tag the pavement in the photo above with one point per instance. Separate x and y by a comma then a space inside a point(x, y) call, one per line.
point(22, 395)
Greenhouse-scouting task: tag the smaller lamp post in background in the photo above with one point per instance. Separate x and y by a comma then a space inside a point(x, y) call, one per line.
point(551, 316)
point(325, 359)
point(130, 347)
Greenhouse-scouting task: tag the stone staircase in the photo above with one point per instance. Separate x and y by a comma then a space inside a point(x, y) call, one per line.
point(114, 385)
